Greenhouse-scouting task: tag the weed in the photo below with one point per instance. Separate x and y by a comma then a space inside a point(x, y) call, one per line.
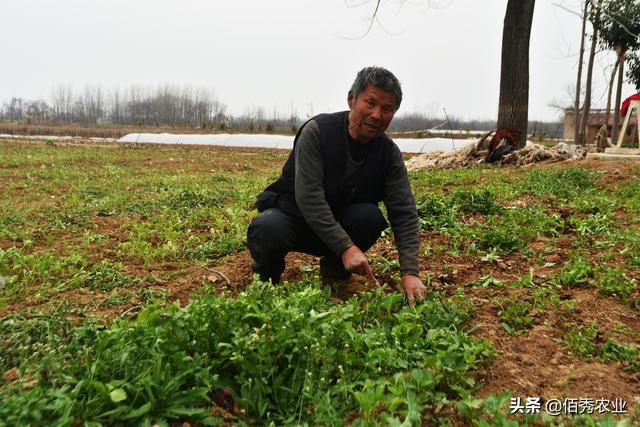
point(491, 256)
point(587, 341)
point(576, 272)
point(191, 199)
point(498, 237)
point(115, 300)
point(270, 349)
point(435, 212)
point(623, 329)
point(516, 315)
point(545, 298)
point(104, 277)
point(472, 201)
point(44, 270)
point(384, 265)
point(592, 224)
point(487, 281)
point(64, 218)
point(565, 183)
point(582, 339)
point(614, 282)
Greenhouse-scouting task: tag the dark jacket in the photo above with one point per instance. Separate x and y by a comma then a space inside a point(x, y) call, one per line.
point(368, 186)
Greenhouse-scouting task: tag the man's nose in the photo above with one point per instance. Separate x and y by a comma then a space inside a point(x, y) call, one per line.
point(376, 113)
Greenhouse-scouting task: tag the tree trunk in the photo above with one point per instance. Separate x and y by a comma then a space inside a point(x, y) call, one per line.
point(616, 108)
point(577, 123)
point(613, 76)
point(582, 137)
point(513, 106)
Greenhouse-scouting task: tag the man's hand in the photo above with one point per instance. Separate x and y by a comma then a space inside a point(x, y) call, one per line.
point(414, 289)
point(355, 261)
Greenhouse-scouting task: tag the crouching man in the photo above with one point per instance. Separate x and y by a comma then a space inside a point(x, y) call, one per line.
point(325, 202)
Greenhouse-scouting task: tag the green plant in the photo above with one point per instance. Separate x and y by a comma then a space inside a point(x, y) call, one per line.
point(577, 271)
point(487, 281)
point(545, 298)
point(582, 340)
point(592, 224)
point(472, 201)
point(615, 282)
point(269, 349)
point(564, 183)
point(587, 341)
point(516, 315)
point(498, 237)
point(435, 212)
point(104, 277)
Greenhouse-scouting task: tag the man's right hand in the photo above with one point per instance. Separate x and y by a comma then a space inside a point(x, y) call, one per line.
point(355, 261)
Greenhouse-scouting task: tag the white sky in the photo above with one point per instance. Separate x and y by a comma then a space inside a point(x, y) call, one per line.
point(290, 54)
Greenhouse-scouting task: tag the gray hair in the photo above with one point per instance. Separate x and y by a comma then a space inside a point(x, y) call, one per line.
point(379, 77)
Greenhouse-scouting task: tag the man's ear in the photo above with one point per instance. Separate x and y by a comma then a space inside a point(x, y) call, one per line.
point(350, 99)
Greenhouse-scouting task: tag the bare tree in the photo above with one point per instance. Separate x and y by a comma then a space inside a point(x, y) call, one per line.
point(594, 17)
point(619, 30)
point(577, 124)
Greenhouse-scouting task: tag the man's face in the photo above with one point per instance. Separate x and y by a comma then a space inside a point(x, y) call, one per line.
point(371, 113)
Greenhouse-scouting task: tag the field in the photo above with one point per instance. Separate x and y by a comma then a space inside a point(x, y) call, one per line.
point(126, 297)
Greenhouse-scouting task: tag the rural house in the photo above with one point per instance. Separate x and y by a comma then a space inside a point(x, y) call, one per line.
point(596, 120)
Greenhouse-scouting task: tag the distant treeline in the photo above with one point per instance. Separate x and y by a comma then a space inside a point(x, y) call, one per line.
point(188, 107)
point(163, 105)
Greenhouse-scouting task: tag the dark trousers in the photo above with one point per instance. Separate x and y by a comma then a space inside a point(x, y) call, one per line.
point(273, 234)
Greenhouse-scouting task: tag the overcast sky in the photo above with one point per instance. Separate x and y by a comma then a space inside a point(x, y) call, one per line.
point(290, 55)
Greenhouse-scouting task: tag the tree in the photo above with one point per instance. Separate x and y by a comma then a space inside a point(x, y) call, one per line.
point(579, 78)
point(594, 17)
point(633, 72)
point(619, 30)
point(15, 108)
point(513, 105)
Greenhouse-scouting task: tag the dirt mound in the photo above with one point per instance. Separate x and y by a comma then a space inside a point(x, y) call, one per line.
point(476, 153)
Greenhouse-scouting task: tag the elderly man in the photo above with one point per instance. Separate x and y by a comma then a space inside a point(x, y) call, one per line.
point(325, 202)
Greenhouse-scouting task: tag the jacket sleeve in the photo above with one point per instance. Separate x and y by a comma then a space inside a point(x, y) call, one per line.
point(403, 215)
point(310, 194)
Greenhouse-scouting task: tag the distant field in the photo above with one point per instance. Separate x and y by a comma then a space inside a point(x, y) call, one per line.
point(126, 297)
point(118, 131)
point(115, 131)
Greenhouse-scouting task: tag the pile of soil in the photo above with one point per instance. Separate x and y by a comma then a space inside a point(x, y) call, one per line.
point(476, 153)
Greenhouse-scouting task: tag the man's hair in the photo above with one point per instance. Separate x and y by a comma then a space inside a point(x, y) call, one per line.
point(379, 77)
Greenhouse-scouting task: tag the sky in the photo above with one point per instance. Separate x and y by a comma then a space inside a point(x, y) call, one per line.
point(293, 56)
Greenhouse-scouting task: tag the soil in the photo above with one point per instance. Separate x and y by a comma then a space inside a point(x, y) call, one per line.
point(532, 364)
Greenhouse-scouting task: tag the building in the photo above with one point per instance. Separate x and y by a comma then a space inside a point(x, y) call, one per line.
point(596, 120)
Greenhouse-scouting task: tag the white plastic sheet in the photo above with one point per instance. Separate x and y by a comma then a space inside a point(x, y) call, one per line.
point(407, 145)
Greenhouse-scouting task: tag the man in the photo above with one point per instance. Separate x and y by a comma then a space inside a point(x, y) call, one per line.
point(325, 202)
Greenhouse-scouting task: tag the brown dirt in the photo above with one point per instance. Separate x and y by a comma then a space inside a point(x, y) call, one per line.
point(535, 363)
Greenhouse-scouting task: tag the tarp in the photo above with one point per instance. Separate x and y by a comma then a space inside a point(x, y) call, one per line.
point(407, 145)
